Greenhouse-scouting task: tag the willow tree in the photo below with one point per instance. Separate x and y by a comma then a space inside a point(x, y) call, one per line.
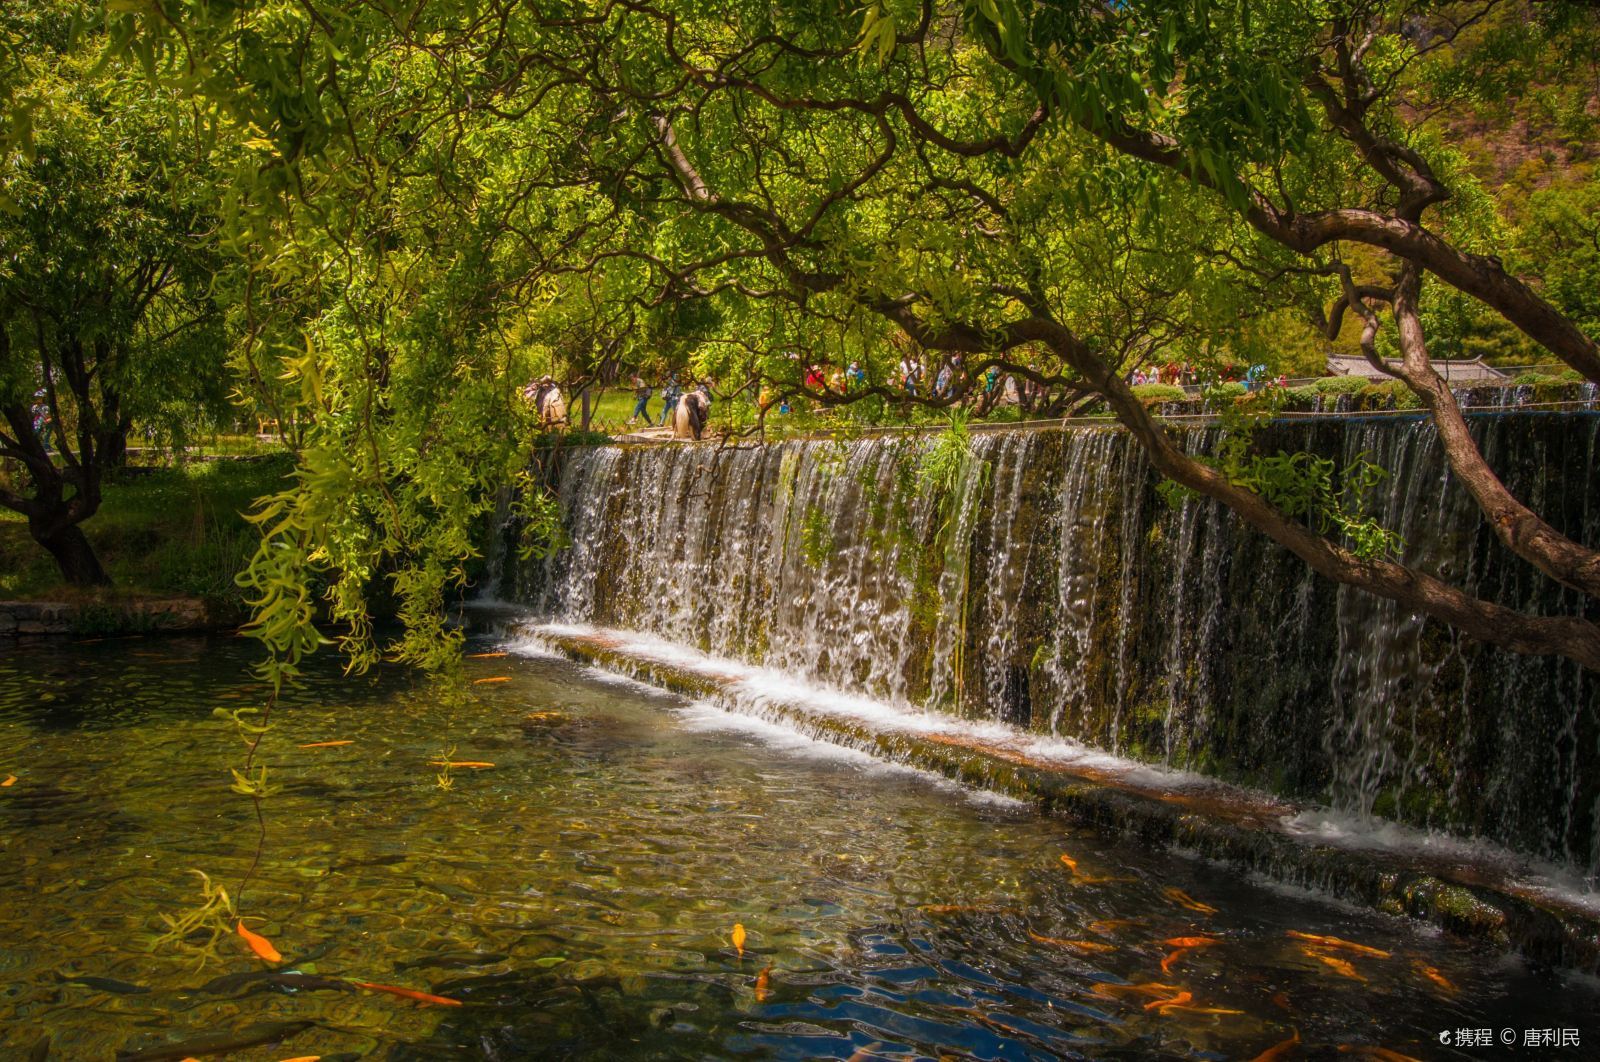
point(1056, 190)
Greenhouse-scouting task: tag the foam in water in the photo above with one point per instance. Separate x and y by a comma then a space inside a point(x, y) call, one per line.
point(754, 689)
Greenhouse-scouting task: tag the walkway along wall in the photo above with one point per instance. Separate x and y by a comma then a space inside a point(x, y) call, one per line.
point(1050, 585)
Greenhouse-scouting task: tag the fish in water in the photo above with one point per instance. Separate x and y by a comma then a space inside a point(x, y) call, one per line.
point(957, 908)
point(326, 744)
point(103, 984)
point(1342, 967)
point(454, 960)
point(1178, 1000)
point(1079, 877)
point(1338, 942)
point(491, 678)
point(738, 938)
point(259, 944)
point(1433, 974)
point(1381, 1054)
point(1108, 927)
point(1149, 988)
point(1279, 1050)
point(1076, 945)
point(1281, 1001)
point(304, 1058)
point(1167, 963)
point(267, 1032)
point(484, 656)
point(1191, 942)
point(409, 993)
point(460, 763)
point(1183, 899)
point(10, 781)
point(291, 980)
point(763, 984)
point(1198, 1010)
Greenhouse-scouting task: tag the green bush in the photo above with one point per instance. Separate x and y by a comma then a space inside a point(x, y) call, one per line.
point(1341, 385)
point(1156, 393)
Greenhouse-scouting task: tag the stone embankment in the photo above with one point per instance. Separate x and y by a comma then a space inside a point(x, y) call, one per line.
point(23, 619)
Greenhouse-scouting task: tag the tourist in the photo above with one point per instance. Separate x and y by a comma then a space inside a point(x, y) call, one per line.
point(854, 377)
point(641, 400)
point(941, 383)
point(910, 371)
point(42, 424)
point(815, 380)
point(670, 393)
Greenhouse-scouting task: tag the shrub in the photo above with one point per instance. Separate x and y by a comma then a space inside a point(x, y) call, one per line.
point(1341, 385)
point(1153, 394)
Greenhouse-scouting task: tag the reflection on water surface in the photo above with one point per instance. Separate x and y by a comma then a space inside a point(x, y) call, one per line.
point(578, 896)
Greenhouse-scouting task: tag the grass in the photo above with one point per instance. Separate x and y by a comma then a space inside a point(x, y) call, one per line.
point(159, 531)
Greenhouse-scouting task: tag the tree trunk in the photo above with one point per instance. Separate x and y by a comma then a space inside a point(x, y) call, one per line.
point(74, 556)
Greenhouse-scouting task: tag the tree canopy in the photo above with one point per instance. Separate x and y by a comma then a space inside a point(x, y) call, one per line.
point(424, 204)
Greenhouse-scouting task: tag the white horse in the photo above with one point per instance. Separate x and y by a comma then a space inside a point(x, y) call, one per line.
point(552, 407)
point(689, 418)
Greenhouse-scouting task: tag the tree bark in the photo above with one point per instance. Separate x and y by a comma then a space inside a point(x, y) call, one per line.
point(74, 555)
point(1522, 530)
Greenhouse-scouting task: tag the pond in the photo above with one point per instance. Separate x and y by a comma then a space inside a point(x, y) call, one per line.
point(578, 898)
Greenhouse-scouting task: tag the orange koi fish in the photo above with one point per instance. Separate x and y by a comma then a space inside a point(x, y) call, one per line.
point(1382, 1054)
point(326, 744)
point(304, 1058)
point(1433, 975)
point(956, 908)
point(1336, 964)
point(1107, 927)
point(409, 993)
point(492, 678)
point(738, 938)
point(1337, 942)
point(460, 763)
point(1166, 964)
point(1077, 945)
point(485, 656)
point(763, 984)
point(1148, 988)
point(1197, 1010)
point(259, 944)
point(1281, 1001)
point(1279, 1050)
point(10, 781)
point(1183, 899)
point(1178, 1000)
point(1085, 879)
point(1191, 942)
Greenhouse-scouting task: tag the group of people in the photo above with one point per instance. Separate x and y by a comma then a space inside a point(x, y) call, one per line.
point(1186, 375)
point(691, 408)
point(950, 380)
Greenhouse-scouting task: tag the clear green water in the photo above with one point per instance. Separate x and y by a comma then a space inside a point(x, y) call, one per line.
point(625, 833)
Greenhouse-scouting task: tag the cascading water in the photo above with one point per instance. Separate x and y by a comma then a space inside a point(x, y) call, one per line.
point(1054, 587)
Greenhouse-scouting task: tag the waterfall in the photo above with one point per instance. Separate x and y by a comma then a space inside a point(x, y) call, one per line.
point(1053, 587)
